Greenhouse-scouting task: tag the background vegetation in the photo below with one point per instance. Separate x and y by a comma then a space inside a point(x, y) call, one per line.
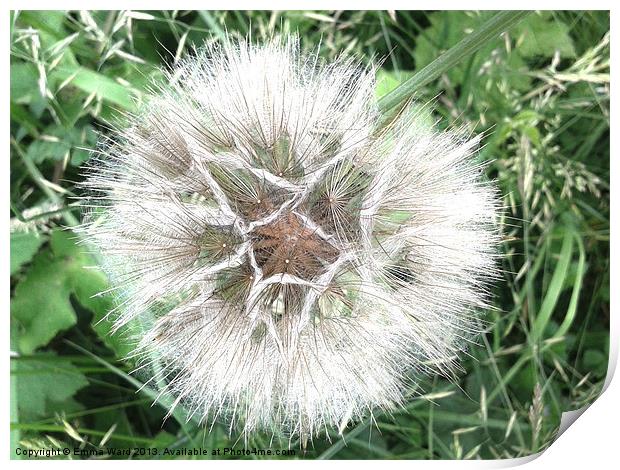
point(541, 95)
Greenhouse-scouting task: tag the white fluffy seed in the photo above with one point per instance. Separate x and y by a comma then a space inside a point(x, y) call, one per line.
point(393, 234)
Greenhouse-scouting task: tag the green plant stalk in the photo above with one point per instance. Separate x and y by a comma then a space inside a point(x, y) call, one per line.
point(92, 432)
point(15, 433)
point(39, 179)
point(499, 23)
point(182, 416)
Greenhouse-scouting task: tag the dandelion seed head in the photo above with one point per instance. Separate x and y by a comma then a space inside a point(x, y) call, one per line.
point(293, 266)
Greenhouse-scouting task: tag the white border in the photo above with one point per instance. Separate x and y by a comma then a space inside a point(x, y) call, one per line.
point(591, 443)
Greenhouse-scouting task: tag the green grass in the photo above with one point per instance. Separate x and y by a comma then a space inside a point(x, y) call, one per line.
point(539, 93)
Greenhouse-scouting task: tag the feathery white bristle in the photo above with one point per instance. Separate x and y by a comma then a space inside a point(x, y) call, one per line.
point(294, 266)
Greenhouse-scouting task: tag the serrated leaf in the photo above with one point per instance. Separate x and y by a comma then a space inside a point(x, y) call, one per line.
point(44, 383)
point(41, 305)
point(24, 246)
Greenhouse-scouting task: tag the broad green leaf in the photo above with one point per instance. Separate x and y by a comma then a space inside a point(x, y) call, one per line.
point(24, 85)
point(90, 81)
point(24, 245)
point(87, 284)
point(542, 35)
point(41, 304)
point(48, 24)
point(44, 384)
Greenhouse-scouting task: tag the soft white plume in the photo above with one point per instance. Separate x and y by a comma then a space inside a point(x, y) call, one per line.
point(294, 265)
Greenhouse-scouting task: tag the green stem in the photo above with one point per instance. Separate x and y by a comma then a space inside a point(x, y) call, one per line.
point(182, 416)
point(91, 432)
point(40, 180)
point(499, 23)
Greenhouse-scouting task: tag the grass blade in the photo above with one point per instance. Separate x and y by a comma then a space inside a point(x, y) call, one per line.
point(574, 299)
point(555, 287)
point(90, 81)
point(179, 413)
